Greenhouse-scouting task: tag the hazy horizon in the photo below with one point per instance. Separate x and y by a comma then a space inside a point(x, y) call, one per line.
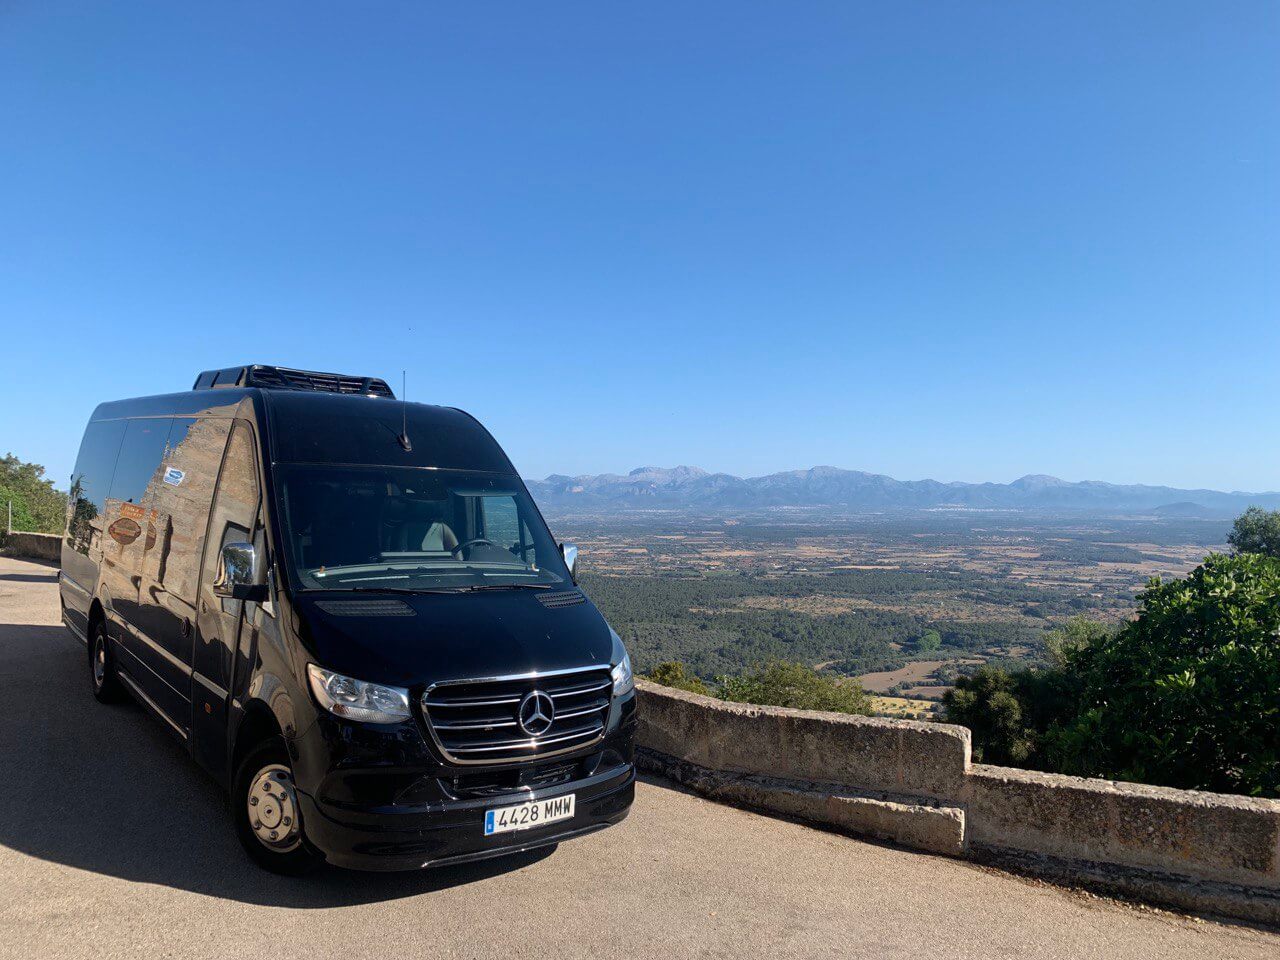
point(819, 466)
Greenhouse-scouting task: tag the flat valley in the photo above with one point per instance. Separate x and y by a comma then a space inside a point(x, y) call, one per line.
point(903, 600)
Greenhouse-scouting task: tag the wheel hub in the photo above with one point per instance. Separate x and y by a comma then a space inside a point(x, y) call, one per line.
point(273, 808)
point(99, 662)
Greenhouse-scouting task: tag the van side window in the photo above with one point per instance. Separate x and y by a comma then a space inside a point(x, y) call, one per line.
point(91, 482)
point(144, 445)
point(175, 526)
point(235, 505)
point(129, 508)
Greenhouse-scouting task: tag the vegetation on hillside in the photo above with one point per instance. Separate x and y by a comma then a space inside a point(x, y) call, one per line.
point(37, 506)
point(1184, 695)
point(718, 625)
point(775, 683)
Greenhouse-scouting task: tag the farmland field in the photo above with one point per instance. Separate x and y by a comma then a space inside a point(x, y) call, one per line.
point(904, 601)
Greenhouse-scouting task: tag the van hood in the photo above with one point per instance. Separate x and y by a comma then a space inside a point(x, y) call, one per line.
point(415, 640)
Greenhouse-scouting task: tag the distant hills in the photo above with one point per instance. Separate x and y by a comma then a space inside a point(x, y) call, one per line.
point(855, 490)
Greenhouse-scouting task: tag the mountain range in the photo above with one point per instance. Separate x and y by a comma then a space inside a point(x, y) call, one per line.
point(854, 490)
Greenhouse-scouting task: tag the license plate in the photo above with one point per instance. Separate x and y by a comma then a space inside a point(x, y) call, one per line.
point(525, 816)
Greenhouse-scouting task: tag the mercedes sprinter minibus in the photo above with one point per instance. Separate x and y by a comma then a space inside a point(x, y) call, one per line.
point(352, 614)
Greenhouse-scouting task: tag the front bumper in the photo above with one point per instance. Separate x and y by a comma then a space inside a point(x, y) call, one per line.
point(383, 798)
point(409, 837)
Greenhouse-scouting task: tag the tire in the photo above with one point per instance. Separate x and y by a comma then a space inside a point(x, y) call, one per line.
point(263, 803)
point(102, 667)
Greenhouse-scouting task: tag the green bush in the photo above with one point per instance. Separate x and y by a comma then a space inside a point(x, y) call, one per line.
point(776, 683)
point(673, 673)
point(1185, 695)
point(782, 684)
point(1188, 694)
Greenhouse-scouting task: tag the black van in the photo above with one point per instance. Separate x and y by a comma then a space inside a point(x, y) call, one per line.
point(351, 612)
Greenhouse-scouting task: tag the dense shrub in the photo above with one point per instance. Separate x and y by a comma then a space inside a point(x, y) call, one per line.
point(1185, 695)
point(783, 684)
point(1188, 694)
point(672, 673)
point(776, 683)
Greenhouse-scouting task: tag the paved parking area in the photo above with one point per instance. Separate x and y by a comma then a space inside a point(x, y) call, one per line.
point(113, 843)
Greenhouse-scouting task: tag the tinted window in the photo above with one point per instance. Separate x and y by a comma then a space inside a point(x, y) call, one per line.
point(91, 481)
point(144, 445)
point(372, 527)
point(179, 503)
point(129, 517)
point(315, 428)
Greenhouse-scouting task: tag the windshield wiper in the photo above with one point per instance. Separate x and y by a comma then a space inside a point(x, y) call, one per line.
point(408, 590)
point(505, 586)
point(475, 588)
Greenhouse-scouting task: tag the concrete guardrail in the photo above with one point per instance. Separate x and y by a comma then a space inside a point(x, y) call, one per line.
point(36, 546)
point(914, 784)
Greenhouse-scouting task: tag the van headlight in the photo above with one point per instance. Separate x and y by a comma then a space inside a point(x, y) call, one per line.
point(623, 681)
point(354, 699)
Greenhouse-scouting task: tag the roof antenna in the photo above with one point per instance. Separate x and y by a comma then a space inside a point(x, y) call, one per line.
point(404, 414)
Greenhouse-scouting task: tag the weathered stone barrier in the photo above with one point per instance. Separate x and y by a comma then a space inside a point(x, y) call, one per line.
point(36, 546)
point(913, 784)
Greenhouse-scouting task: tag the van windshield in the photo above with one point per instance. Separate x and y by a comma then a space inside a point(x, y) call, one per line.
point(397, 528)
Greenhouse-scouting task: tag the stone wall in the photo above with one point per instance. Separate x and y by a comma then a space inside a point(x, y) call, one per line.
point(914, 784)
point(34, 546)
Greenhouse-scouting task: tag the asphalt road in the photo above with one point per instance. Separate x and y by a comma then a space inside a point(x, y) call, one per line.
point(113, 843)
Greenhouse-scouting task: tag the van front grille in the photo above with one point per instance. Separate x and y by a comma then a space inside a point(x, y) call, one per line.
point(479, 721)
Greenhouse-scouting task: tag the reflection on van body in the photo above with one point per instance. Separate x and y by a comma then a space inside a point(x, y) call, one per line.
point(374, 643)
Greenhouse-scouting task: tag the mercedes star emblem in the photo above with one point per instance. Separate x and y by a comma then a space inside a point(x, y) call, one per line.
point(537, 711)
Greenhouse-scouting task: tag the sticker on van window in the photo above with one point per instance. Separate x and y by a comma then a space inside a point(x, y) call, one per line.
point(174, 476)
point(124, 531)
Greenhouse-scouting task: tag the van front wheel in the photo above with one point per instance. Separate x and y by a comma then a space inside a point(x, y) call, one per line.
point(264, 803)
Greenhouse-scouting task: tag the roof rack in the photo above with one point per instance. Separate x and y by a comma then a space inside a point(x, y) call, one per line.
point(269, 377)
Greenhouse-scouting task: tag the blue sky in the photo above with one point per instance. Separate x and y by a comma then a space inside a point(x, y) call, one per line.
point(961, 241)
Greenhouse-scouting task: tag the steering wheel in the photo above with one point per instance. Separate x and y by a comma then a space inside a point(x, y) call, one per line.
point(471, 543)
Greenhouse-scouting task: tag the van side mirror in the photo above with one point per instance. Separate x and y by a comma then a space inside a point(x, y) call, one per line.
point(237, 577)
point(570, 553)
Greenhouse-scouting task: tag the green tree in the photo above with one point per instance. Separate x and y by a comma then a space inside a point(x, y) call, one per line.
point(1256, 531)
point(929, 641)
point(1073, 637)
point(1185, 695)
point(988, 703)
point(37, 506)
point(782, 684)
point(673, 673)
